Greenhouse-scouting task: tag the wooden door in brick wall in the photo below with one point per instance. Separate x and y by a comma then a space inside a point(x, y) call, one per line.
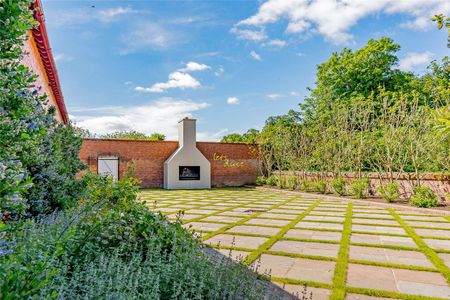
point(109, 166)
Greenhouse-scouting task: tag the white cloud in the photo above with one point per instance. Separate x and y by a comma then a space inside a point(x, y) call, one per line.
point(158, 116)
point(233, 100)
point(219, 72)
point(194, 66)
point(252, 35)
point(62, 57)
point(295, 94)
point(274, 96)
point(177, 80)
point(334, 18)
point(82, 16)
point(147, 36)
point(276, 43)
point(111, 14)
point(413, 60)
point(255, 56)
point(211, 136)
point(300, 54)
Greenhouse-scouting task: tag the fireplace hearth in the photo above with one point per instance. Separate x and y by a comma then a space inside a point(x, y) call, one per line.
point(189, 172)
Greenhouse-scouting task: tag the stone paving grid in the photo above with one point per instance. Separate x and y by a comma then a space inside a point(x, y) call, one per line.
point(299, 238)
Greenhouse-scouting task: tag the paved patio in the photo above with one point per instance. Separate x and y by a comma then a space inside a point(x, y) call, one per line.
point(339, 249)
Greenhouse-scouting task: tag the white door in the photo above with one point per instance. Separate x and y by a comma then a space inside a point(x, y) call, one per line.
point(109, 166)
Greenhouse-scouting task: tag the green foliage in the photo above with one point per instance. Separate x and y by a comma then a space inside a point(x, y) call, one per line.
point(320, 186)
point(260, 180)
point(306, 185)
point(134, 135)
point(442, 21)
point(390, 191)
point(112, 245)
point(358, 188)
point(424, 197)
point(272, 181)
point(364, 115)
point(250, 137)
point(338, 185)
point(292, 182)
point(38, 155)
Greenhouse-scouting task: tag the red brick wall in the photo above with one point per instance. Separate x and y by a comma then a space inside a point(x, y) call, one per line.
point(231, 164)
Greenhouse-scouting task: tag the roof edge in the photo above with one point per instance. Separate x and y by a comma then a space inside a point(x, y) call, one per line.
point(40, 37)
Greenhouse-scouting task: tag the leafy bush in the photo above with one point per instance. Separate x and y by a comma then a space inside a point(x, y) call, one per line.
point(260, 180)
point(306, 185)
point(358, 188)
point(282, 182)
point(110, 246)
point(38, 155)
point(320, 187)
point(424, 197)
point(338, 185)
point(389, 192)
point(272, 181)
point(292, 182)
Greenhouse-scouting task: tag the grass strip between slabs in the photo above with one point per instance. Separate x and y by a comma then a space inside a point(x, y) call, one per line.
point(264, 247)
point(242, 221)
point(340, 270)
point(387, 294)
point(429, 252)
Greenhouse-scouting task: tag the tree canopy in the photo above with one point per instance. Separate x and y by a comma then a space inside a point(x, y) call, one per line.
point(134, 135)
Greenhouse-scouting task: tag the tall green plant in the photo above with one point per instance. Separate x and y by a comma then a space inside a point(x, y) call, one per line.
point(38, 155)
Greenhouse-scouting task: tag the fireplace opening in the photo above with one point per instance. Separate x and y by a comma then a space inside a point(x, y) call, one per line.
point(189, 172)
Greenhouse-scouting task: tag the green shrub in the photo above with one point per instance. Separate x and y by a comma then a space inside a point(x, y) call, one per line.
point(39, 157)
point(282, 181)
point(260, 180)
point(320, 187)
point(358, 187)
point(272, 181)
point(292, 182)
point(389, 192)
point(338, 185)
point(424, 197)
point(112, 247)
point(306, 185)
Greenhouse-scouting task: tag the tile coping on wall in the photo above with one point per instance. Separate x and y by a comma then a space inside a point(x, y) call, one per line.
point(370, 203)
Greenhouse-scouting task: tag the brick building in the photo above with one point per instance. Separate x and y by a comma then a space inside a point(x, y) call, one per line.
point(39, 59)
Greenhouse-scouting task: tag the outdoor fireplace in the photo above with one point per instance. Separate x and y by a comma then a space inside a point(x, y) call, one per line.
point(187, 167)
point(189, 173)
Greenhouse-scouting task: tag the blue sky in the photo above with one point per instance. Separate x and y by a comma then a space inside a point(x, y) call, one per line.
point(143, 65)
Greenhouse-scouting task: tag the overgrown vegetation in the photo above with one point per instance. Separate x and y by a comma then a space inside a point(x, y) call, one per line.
point(110, 246)
point(364, 115)
point(38, 155)
point(88, 238)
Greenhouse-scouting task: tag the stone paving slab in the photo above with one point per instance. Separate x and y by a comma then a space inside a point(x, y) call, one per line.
point(398, 280)
point(308, 250)
point(412, 258)
point(382, 240)
point(298, 268)
point(298, 290)
point(314, 234)
point(250, 242)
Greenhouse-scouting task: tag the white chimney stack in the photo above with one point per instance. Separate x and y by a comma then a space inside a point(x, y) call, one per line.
point(187, 132)
point(187, 167)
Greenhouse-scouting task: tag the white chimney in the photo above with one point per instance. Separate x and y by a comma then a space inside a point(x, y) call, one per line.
point(187, 132)
point(187, 167)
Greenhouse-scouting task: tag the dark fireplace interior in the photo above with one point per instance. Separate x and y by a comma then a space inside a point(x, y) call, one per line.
point(189, 172)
